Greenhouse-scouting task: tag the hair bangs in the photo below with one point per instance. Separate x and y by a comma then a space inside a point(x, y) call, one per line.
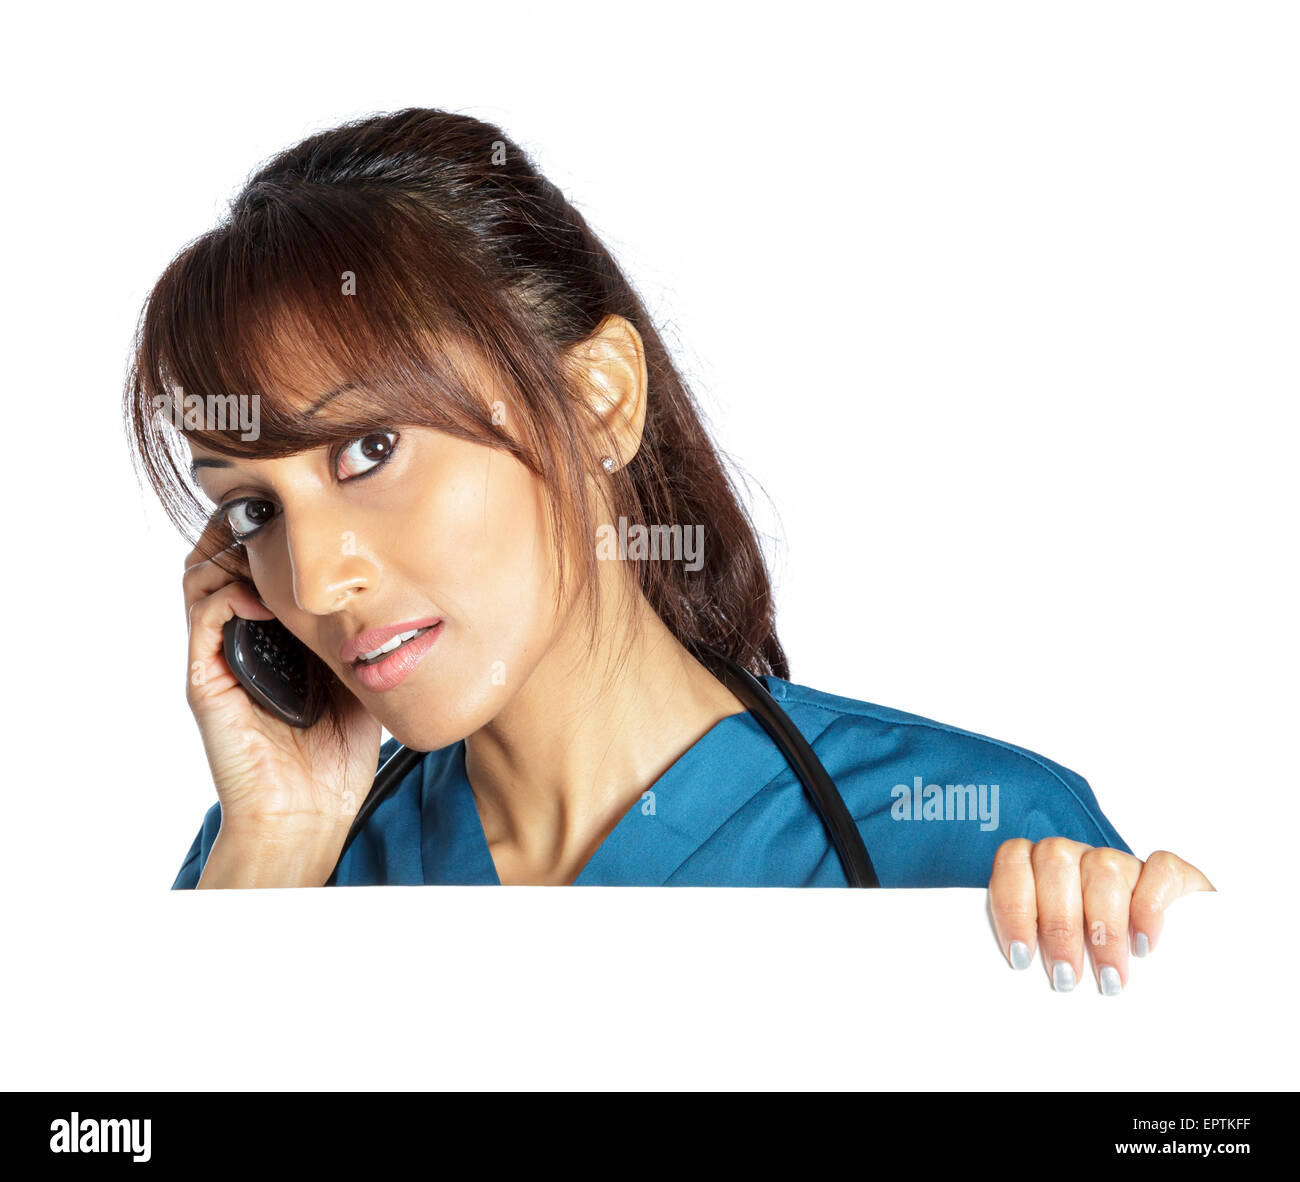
point(287, 329)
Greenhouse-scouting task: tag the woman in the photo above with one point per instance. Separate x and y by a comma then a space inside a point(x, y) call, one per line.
point(450, 453)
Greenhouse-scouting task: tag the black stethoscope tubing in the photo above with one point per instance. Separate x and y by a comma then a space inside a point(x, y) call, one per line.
point(835, 817)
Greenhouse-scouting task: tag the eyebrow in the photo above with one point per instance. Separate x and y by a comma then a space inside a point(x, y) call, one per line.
point(315, 408)
point(205, 462)
point(321, 403)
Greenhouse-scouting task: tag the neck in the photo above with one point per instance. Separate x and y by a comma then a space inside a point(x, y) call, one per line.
point(582, 739)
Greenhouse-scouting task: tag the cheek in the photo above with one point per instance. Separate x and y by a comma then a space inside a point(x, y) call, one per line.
point(272, 576)
point(486, 559)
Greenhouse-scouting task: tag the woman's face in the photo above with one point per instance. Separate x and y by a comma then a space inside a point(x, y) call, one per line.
point(412, 529)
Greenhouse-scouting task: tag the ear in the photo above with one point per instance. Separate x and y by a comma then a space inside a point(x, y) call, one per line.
point(611, 373)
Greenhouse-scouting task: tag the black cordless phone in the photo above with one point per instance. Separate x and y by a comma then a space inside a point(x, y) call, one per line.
point(279, 672)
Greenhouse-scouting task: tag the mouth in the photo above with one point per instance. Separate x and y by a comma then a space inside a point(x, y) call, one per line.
point(373, 658)
point(372, 644)
point(382, 658)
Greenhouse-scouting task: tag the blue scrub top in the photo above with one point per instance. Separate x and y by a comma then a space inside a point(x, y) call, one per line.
point(933, 803)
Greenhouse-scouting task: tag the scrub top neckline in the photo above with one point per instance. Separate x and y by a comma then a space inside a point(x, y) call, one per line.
point(659, 832)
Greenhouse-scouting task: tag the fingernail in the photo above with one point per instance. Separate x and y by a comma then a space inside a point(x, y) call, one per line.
point(1111, 985)
point(1062, 976)
point(1019, 954)
point(1140, 946)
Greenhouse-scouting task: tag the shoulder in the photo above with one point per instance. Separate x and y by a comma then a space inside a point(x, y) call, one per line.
point(837, 718)
point(909, 772)
point(196, 858)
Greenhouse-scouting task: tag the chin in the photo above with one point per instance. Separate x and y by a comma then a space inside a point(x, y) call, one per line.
point(425, 728)
point(422, 739)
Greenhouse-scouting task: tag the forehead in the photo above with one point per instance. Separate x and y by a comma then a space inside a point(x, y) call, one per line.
point(290, 362)
point(303, 416)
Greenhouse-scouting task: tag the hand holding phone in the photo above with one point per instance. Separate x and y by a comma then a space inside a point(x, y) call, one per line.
point(288, 789)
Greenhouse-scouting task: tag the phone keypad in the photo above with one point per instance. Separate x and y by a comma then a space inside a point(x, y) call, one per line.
point(281, 650)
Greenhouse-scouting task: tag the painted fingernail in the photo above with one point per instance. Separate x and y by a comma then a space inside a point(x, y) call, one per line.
point(1019, 954)
point(1062, 976)
point(1111, 985)
point(1140, 946)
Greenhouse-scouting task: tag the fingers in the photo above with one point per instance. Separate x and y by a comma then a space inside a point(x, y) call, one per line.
point(1107, 878)
point(208, 672)
point(1055, 862)
point(202, 579)
point(211, 565)
point(1164, 878)
point(1063, 891)
point(1013, 903)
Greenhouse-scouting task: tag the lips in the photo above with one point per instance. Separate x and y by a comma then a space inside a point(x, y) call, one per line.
point(392, 668)
point(376, 638)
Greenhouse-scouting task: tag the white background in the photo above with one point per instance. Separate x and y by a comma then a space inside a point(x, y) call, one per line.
point(994, 304)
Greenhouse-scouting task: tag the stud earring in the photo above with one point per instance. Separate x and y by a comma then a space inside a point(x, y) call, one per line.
point(607, 463)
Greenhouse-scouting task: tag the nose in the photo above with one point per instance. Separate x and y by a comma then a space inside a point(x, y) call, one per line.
point(330, 566)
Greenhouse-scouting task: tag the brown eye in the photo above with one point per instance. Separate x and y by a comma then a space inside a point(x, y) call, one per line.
point(246, 517)
point(366, 454)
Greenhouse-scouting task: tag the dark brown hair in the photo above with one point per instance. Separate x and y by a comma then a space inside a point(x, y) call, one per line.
point(466, 260)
